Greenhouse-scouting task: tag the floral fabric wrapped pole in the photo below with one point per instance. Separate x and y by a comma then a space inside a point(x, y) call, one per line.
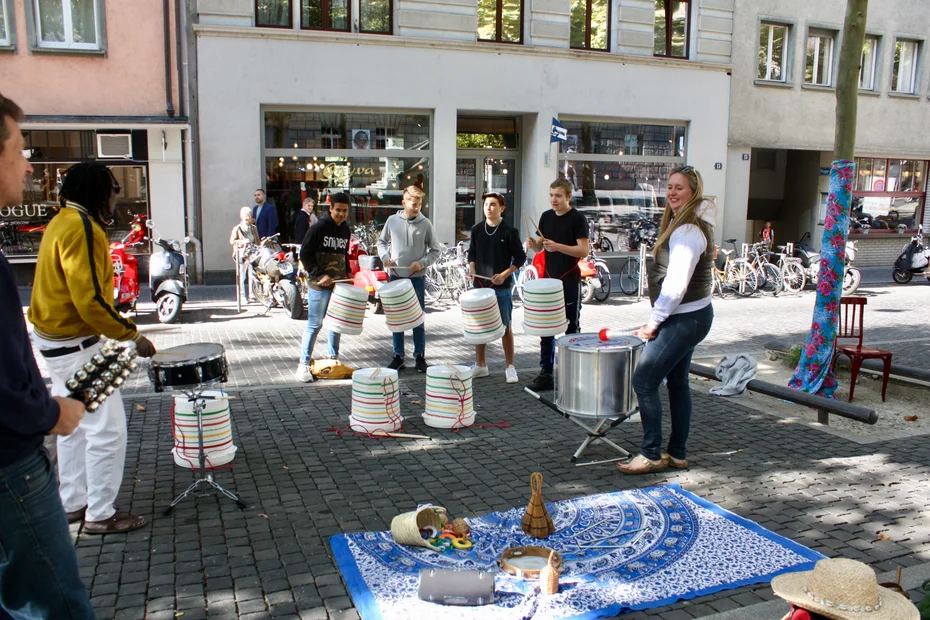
point(814, 374)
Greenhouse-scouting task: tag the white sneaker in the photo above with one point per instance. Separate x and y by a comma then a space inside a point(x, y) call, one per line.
point(478, 371)
point(511, 374)
point(303, 374)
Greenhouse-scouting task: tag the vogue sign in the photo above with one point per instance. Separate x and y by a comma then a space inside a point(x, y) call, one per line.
point(20, 211)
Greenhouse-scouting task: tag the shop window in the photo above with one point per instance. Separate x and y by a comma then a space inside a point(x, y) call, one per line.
point(332, 130)
point(6, 17)
point(67, 24)
point(904, 71)
point(500, 21)
point(325, 15)
point(602, 138)
point(868, 69)
point(818, 69)
point(273, 13)
point(890, 193)
point(672, 25)
point(773, 52)
point(590, 24)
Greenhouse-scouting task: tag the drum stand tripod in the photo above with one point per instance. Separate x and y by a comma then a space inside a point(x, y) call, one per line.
point(195, 396)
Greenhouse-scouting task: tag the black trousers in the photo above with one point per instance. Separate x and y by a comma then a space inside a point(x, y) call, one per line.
point(572, 292)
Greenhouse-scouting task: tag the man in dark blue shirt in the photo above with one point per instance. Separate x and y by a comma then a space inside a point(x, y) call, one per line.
point(38, 565)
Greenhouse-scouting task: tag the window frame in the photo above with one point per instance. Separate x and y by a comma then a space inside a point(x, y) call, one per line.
point(324, 4)
point(915, 71)
point(390, 29)
point(290, 16)
point(921, 194)
point(786, 51)
point(818, 33)
point(33, 25)
point(876, 64)
point(499, 25)
point(668, 30)
point(8, 38)
point(587, 28)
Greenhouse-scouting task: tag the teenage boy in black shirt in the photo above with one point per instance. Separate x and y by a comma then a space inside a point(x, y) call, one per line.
point(563, 234)
point(496, 252)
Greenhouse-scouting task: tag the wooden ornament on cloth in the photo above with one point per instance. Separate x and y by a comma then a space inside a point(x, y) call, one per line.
point(549, 577)
point(537, 522)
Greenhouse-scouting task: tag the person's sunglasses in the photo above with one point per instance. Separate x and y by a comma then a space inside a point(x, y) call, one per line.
point(687, 169)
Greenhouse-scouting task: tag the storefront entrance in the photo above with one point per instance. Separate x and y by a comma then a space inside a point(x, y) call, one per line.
point(478, 172)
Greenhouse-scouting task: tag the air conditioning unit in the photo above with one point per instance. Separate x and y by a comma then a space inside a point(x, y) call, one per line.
point(114, 146)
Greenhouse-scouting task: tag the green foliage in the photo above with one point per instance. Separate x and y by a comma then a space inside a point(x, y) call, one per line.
point(793, 357)
point(480, 141)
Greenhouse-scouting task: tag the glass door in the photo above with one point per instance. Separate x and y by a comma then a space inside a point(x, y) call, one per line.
point(478, 174)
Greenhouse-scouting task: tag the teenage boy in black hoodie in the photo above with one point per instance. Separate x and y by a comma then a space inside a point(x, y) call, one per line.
point(324, 254)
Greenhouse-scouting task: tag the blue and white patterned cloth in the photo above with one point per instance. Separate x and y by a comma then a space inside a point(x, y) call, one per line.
point(668, 544)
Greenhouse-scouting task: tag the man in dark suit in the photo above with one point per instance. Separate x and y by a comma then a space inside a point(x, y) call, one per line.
point(304, 220)
point(265, 215)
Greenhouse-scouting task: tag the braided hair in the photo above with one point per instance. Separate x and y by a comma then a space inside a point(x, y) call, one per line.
point(90, 184)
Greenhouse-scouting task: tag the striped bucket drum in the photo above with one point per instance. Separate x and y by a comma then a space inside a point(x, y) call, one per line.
point(402, 309)
point(218, 444)
point(449, 397)
point(481, 316)
point(544, 307)
point(375, 401)
point(345, 313)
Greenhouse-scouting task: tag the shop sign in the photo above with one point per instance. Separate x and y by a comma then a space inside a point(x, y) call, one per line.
point(21, 211)
point(342, 173)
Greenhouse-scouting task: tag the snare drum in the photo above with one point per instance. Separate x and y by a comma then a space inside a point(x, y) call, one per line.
point(189, 365)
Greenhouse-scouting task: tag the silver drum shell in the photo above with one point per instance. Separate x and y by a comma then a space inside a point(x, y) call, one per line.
point(594, 378)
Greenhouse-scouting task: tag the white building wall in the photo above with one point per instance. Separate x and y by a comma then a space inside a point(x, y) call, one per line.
point(166, 182)
point(241, 70)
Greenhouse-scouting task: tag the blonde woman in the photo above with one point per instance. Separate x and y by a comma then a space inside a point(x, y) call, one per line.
point(680, 282)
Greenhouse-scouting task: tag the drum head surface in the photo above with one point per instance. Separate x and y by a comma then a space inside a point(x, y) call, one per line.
point(477, 294)
point(395, 287)
point(543, 285)
point(188, 352)
point(591, 342)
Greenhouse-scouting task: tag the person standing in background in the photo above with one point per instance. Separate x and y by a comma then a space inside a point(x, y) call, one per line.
point(767, 236)
point(243, 234)
point(304, 219)
point(265, 215)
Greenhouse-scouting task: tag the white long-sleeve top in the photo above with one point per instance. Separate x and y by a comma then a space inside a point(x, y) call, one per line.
point(686, 245)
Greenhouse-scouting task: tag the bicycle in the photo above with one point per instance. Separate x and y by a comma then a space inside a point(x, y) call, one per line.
point(736, 274)
point(597, 240)
point(630, 276)
point(525, 274)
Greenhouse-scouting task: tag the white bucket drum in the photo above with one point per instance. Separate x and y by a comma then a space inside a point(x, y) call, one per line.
point(481, 316)
point(402, 309)
point(544, 307)
point(345, 313)
point(375, 401)
point(594, 377)
point(449, 397)
point(218, 445)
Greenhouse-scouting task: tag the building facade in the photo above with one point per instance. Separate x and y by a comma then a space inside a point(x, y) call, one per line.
point(97, 79)
point(312, 97)
point(782, 122)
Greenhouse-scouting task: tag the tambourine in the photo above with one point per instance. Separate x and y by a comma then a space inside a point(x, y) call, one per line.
point(526, 562)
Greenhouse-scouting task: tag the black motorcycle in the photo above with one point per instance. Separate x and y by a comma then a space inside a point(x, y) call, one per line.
point(810, 261)
point(271, 276)
point(168, 281)
point(644, 232)
point(914, 259)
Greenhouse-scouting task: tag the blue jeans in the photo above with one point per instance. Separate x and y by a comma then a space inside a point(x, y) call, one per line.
point(419, 333)
point(317, 302)
point(38, 565)
point(505, 305)
point(669, 356)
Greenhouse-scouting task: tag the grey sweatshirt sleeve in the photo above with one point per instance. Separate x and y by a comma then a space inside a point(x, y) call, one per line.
point(433, 248)
point(384, 240)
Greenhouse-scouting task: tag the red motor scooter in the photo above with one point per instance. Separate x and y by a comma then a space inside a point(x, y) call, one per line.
point(369, 274)
point(126, 267)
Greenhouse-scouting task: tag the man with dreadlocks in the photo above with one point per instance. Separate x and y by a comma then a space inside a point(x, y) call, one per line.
point(72, 306)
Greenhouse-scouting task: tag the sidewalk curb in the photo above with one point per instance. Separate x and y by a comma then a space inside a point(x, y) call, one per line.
point(911, 578)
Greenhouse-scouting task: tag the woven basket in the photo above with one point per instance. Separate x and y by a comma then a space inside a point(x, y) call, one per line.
point(406, 527)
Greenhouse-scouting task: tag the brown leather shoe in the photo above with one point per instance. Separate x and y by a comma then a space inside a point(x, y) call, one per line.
point(76, 515)
point(116, 524)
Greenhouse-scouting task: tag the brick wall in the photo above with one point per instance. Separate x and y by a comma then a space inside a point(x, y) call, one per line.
point(879, 250)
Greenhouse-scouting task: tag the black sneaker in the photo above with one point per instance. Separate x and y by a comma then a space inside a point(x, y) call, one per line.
point(542, 382)
point(397, 363)
point(421, 364)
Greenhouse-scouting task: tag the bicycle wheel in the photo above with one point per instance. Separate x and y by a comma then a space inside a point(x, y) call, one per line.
point(432, 291)
point(772, 283)
point(604, 245)
point(529, 273)
point(741, 277)
point(793, 277)
point(603, 274)
point(629, 277)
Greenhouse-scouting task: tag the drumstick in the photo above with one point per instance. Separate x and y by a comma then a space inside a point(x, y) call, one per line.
point(223, 397)
point(168, 353)
point(533, 226)
point(344, 280)
point(380, 433)
point(475, 275)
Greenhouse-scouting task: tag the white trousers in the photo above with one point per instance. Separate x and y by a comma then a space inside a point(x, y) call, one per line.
point(91, 459)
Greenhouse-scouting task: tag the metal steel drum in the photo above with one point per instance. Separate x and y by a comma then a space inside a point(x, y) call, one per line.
point(594, 378)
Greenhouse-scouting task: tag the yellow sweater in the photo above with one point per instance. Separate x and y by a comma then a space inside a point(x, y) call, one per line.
point(72, 295)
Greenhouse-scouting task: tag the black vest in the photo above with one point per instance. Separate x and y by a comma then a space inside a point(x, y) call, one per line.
point(701, 284)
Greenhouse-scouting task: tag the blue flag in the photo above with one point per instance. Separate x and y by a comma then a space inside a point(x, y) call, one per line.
point(558, 133)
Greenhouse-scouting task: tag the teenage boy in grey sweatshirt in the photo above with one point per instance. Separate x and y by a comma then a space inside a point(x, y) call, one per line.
point(407, 240)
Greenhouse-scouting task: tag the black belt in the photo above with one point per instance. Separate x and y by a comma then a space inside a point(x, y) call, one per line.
point(89, 342)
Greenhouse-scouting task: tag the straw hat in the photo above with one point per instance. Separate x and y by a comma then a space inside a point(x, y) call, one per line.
point(843, 589)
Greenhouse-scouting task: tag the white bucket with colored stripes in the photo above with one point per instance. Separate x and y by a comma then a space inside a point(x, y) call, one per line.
point(449, 397)
point(402, 309)
point(345, 313)
point(218, 444)
point(375, 401)
point(544, 307)
point(481, 316)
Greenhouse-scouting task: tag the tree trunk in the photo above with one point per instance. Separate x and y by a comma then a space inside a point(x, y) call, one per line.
point(847, 79)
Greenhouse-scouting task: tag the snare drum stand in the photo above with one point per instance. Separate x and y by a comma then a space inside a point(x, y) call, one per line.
point(195, 396)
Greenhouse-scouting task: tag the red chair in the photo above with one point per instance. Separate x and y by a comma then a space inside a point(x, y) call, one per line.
point(850, 328)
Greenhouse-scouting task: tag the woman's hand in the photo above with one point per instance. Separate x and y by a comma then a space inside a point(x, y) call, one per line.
point(647, 333)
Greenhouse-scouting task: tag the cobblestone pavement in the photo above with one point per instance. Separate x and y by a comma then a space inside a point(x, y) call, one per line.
point(303, 483)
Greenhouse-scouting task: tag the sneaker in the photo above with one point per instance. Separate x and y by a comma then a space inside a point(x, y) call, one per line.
point(421, 364)
point(397, 363)
point(303, 374)
point(478, 371)
point(542, 382)
point(511, 374)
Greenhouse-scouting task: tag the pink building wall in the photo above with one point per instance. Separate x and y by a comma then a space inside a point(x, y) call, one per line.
point(128, 81)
